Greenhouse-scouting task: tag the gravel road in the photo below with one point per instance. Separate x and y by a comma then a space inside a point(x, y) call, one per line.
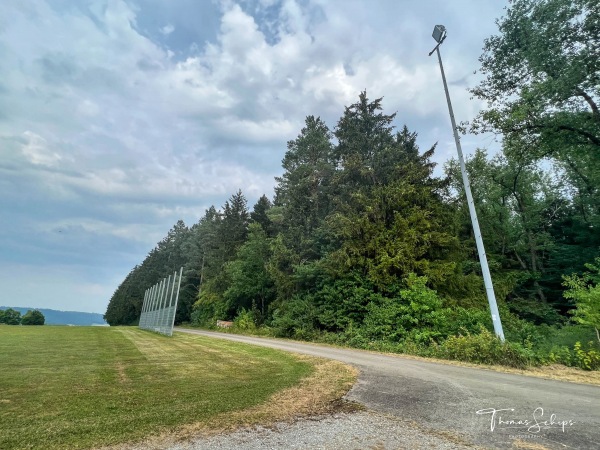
point(355, 431)
point(418, 404)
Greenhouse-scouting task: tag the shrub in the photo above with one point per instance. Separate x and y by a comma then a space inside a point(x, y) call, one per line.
point(585, 291)
point(208, 309)
point(295, 318)
point(10, 317)
point(485, 348)
point(563, 337)
point(245, 320)
point(521, 331)
point(560, 354)
point(464, 320)
point(416, 314)
point(586, 359)
point(34, 317)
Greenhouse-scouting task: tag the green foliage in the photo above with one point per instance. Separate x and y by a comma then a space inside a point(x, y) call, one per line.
point(485, 348)
point(542, 74)
point(304, 191)
point(520, 331)
point(536, 312)
point(295, 318)
point(249, 279)
point(10, 317)
point(579, 356)
point(233, 228)
point(260, 215)
point(33, 317)
point(208, 309)
point(517, 203)
point(542, 85)
point(395, 230)
point(566, 335)
point(245, 320)
point(585, 291)
point(415, 314)
point(560, 354)
point(457, 320)
point(587, 359)
point(342, 302)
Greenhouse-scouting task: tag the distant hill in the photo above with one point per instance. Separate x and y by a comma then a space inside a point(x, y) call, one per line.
point(54, 317)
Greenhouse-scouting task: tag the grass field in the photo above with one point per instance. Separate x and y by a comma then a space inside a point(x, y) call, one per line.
point(83, 387)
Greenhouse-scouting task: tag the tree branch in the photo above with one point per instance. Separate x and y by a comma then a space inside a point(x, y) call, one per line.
point(590, 102)
point(588, 185)
point(593, 139)
point(521, 261)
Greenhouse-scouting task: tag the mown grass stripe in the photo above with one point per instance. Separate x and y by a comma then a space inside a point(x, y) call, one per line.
point(80, 387)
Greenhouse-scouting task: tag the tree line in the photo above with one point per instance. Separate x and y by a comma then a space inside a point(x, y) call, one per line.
point(362, 244)
point(10, 316)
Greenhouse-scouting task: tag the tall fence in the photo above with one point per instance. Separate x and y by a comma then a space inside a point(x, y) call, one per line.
point(158, 309)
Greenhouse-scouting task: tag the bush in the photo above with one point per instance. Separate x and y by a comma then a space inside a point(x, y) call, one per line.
point(485, 348)
point(579, 356)
point(534, 311)
point(464, 321)
point(521, 331)
point(585, 290)
point(10, 317)
point(586, 359)
point(245, 321)
point(565, 336)
point(415, 314)
point(560, 354)
point(295, 318)
point(208, 309)
point(34, 317)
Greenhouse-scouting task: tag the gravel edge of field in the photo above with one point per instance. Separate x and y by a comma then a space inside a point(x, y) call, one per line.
point(349, 431)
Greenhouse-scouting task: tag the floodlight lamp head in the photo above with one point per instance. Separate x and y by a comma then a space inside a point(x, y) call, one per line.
point(439, 33)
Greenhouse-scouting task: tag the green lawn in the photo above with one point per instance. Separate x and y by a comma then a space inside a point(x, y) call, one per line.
point(81, 387)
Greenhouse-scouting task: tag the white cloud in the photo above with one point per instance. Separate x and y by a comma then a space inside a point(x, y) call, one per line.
point(37, 152)
point(167, 29)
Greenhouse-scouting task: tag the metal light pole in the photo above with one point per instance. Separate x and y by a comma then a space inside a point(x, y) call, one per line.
point(439, 34)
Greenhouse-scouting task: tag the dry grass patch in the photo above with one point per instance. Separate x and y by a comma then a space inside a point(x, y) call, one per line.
point(520, 444)
point(318, 394)
point(556, 372)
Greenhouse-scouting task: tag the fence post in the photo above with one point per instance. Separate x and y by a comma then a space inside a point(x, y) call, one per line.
point(176, 300)
point(158, 310)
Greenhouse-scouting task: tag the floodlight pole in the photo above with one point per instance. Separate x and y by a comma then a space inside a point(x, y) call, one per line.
point(487, 278)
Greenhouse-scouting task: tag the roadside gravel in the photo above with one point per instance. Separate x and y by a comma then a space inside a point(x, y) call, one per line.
point(348, 431)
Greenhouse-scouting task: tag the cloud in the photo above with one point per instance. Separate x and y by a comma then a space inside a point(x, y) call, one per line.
point(37, 152)
point(167, 29)
point(119, 117)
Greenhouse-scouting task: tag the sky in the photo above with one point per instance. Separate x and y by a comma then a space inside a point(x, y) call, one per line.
point(119, 117)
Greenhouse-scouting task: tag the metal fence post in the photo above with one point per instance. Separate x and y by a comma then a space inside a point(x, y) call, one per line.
point(158, 310)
